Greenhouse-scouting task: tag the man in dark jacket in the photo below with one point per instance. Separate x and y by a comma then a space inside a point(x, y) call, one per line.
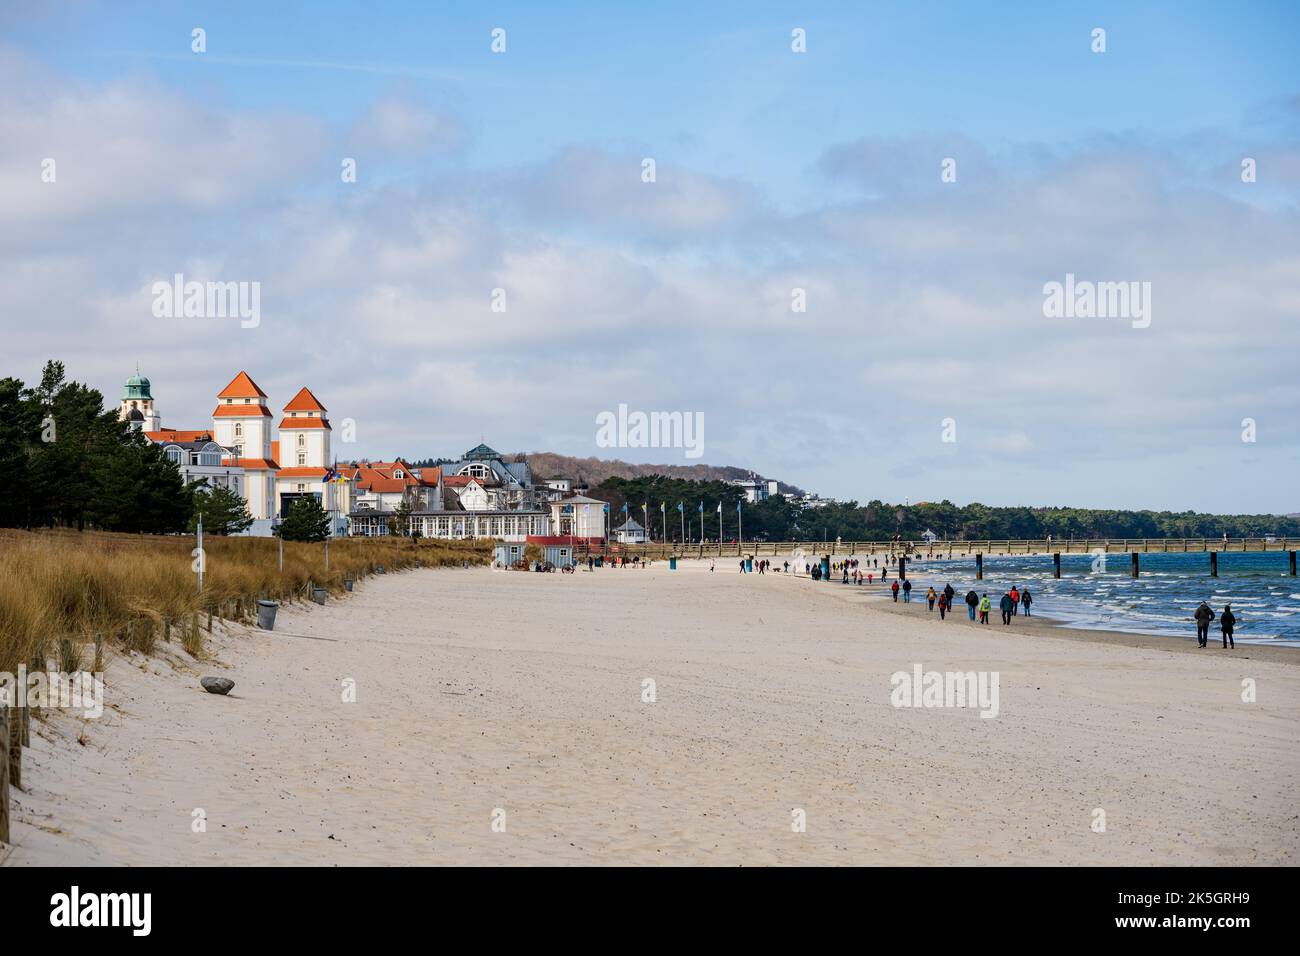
point(972, 602)
point(1203, 617)
point(1008, 606)
point(1227, 621)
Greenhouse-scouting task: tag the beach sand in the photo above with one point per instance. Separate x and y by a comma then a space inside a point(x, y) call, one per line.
point(479, 692)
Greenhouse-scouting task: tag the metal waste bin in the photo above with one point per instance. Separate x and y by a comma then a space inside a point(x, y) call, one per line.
point(347, 584)
point(672, 564)
point(266, 615)
point(318, 595)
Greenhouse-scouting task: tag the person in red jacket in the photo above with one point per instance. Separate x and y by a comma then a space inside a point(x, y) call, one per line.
point(894, 588)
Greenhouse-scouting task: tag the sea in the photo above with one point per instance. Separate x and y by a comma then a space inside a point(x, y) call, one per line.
point(1265, 599)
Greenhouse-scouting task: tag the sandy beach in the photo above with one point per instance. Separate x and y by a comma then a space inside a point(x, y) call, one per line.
point(519, 699)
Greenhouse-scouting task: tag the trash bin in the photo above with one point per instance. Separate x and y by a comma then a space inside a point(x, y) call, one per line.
point(318, 595)
point(381, 570)
point(266, 615)
point(347, 584)
point(672, 564)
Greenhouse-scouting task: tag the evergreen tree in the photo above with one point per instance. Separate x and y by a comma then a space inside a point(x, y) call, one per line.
point(223, 511)
point(305, 521)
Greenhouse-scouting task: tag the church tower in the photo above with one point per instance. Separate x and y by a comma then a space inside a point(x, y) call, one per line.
point(137, 406)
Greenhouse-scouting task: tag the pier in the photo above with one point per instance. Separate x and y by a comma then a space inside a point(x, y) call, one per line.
point(978, 549)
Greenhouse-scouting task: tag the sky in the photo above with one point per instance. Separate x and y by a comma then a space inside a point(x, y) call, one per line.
point(923, 365)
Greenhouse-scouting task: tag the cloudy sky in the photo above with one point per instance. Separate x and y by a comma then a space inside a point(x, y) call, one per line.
point(775, 170)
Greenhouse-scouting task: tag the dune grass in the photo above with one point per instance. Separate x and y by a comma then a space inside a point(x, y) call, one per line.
point(136, 590)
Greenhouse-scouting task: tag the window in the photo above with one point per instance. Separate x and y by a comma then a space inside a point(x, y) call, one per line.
point(302, 458)
point(302, 440)
point(248, 401)
point(301, 486)
point(239, 430)
point(397, 473)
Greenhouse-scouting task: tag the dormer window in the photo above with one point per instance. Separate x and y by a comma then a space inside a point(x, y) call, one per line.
point(398, 473)
point(248, 401)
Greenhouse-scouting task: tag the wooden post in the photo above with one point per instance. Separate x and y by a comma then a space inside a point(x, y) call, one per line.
point(99, 654)
point(1135, 563)
point(4, 775)
point(1291, 562)
point(1056, 565)
point(167, 629)
point(902, 569)
point(979, 567)
point(1214, 564)
point(36, 665)
point(15, 736)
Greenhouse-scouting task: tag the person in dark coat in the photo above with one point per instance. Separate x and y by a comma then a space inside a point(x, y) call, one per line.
point(1227, 621)
point(1203, 617)
point(1008, 607)
point(972, 602)
point(1026, 599)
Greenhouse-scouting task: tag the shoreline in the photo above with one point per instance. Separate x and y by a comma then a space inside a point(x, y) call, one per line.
point(1044, 625)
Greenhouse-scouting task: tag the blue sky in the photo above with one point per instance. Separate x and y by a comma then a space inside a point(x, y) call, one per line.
point(775, 170)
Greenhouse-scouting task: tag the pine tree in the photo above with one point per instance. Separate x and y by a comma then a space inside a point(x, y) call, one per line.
point(306, 520)
point(223, 511)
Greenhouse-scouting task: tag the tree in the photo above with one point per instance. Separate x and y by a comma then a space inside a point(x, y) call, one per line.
point(223, 511)
point(305, 521)
point(400, 523)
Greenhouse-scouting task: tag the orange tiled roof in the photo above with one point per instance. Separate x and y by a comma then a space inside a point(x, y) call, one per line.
point(302, 424)
point(242, 411)
point(252, 464)
point(241, 386)
point(304, 401)
point(304, 472)
point(175, 434)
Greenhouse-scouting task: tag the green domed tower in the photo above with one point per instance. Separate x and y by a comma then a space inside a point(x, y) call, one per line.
point(137, 404)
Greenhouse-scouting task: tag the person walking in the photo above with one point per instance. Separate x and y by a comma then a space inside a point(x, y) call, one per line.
point(972, 602)
point(1026, 599)
point(1203, 617)
point(1015, 600)
point(907, 592)
point(710, 564)
point(985, 606)
point(948, 592)
point(930, 596)
point(1008, 607)
point(944, 602)
point(894, 588)
point(1227, 621)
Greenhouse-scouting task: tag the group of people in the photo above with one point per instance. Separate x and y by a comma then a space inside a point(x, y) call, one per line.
point(977, 606)
point(1227, 622)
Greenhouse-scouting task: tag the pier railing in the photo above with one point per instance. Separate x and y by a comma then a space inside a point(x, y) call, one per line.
point(959, 548)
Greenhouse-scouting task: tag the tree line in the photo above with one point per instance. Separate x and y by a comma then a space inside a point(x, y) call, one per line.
point(779, 519)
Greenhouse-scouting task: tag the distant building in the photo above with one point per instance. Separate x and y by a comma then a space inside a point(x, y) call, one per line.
point(578, 516)
point(479, 495)
point(756, 489)
point(199, 459)
point(630, 532)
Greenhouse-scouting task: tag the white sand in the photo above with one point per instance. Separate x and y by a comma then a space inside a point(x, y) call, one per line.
point(479, 690)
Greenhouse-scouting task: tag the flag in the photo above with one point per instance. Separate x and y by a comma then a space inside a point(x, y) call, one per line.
point(719, 507)
point(625, 507)
point(701, 507)
point(737, 507)
point(680, 508)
